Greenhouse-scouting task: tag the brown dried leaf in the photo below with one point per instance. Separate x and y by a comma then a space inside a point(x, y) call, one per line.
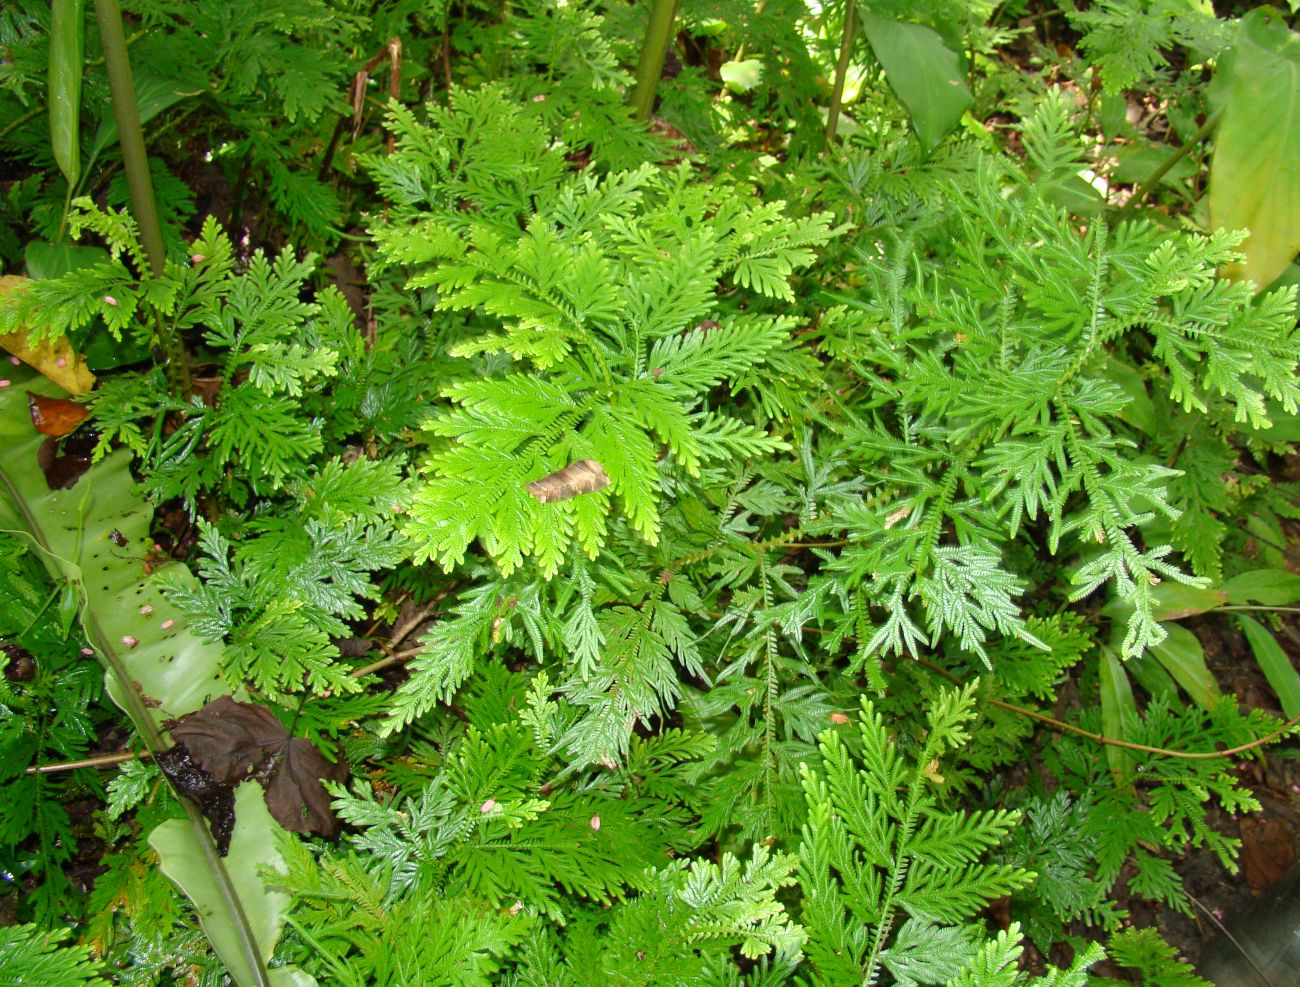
point(294, 792)
point(215, 800)
point(55, 417)
point(584, 476)
point(235, 741)
point(1267, 851)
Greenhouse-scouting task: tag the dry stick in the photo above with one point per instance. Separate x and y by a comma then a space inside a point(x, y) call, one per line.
point(446, 48)
point(1185, 755)
point(111, 760)
point(1099, 738)
point(1111, 741)
point(1229, 936)
point(357, 98)
point(401, 657)
point(403, 630)
point(101, 761)
point(397, 658)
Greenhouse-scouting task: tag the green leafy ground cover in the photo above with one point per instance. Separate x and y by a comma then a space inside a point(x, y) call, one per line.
point(779, 519)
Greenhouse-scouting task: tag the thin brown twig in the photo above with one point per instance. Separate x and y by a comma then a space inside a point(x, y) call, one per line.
point(1111, 741)
point(396, 658)
point(1228, 935)
point(99, 761)
point(1099, 738)
point(403, 629)
point(111, 760)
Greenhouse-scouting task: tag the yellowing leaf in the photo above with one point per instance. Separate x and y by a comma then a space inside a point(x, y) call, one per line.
point(1255, 174)
point(56, 359)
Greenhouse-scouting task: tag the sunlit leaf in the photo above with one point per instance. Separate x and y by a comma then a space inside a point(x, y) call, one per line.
point(1255, 174)
point(922, 71)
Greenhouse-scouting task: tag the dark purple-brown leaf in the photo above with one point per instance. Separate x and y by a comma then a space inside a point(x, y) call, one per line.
point(20, 664)
point(215, 800)
point(236, 741)
point(64, 462)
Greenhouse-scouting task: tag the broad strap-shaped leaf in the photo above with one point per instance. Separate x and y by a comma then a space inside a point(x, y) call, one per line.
point(1117, 709)
point(95, 535)
point(1274, 662)
point(1184, 658)
point(193, 866)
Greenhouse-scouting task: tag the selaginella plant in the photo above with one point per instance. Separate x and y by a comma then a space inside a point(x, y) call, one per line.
point(670, 460)
point(614, 310)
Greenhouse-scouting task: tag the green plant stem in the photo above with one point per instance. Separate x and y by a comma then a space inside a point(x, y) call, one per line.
point(654, 47)
point(135, 160)
point(130, 135)
point(841, 72)
point(18, 121)
point(1153, 179)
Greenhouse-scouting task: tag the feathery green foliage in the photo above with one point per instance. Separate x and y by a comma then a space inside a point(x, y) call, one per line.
point(29, 956)
point(607, 302)
point(877, 847)
point(719, 553)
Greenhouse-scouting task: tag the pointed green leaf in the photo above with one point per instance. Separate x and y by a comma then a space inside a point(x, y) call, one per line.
point(67, 35)
point(1266, 587)
point(1171, 601)
point(152, 96)
point(1147, 671)
point(1274, 663)
point(1184, 658)
point(923, 72)
point(1117, 705)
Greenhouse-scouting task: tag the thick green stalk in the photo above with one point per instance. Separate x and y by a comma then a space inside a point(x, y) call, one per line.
point(658, 33)
point(135, 161)
point(841, 71)
point(130, 134)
